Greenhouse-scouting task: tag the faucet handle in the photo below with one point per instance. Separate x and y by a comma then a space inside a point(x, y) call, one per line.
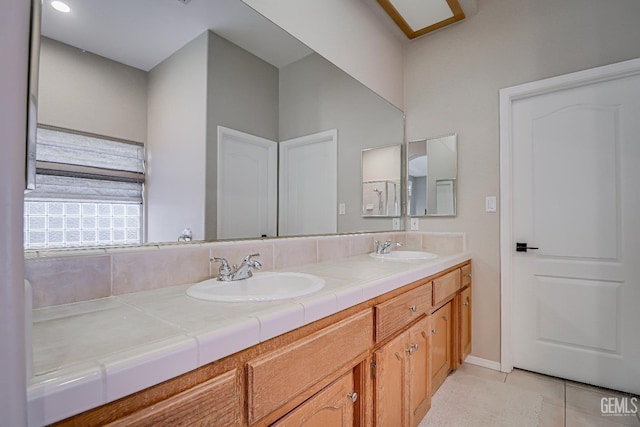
point(252, 262)
point(225, 269)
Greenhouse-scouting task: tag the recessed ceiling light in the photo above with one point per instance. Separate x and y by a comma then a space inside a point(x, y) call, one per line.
point(60, 6)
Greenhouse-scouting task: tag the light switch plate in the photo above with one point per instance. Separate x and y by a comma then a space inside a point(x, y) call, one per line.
point(490, 204)
point(415, 224)
point(396, 223)
point(342, 209)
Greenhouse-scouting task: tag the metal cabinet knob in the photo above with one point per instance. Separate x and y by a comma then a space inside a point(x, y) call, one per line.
point(433, 331)
point(410, 350)
point(469, 275)
point(415, 346)
point(413, 308)
point(466, 303)
point(353, 396)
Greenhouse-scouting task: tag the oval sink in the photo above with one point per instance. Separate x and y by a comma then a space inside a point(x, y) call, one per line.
point(267, 286)
point(404, 255)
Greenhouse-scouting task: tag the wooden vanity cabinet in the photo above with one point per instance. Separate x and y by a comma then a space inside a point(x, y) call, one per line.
point(401, 374)
point(377, 363)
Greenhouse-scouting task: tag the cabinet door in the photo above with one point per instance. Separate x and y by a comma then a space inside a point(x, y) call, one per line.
point(214, 402)
point(441, 345)
point(333, 406)
point(419, 390)
point(465, 323)
point(391, 383)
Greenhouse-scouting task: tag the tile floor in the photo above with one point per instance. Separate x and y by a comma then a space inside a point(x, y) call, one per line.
point(564, 403)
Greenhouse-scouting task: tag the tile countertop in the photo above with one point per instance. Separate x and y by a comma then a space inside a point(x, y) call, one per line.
point(91, 353)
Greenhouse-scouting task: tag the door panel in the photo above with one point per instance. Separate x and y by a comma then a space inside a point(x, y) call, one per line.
point(575, 182)
point(309, 184)
point(441, 345)
point(390, 383)
point(465, 324)
point(330, 407)
point(246, 189)
point(419, 390)
point(575, 157)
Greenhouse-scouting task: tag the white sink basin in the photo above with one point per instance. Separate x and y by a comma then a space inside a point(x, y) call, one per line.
point(404, 255)
point(267, 286)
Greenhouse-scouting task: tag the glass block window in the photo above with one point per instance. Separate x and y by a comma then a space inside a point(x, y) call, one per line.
point(61, 224)
point(88, 191)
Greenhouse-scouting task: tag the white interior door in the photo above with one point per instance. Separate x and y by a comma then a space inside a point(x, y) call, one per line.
point(309, 184)
point(575, 171)
point(247, 176)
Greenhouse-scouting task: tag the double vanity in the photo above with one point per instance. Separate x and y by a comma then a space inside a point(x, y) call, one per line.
point(368, 344)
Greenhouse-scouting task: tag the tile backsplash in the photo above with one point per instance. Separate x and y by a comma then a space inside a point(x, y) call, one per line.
point(68, 276)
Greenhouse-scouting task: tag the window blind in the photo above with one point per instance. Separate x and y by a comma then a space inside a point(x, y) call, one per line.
point(77, 166)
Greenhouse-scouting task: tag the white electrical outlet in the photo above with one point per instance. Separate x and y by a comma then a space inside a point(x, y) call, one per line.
point(415, 223)
point(396, 223)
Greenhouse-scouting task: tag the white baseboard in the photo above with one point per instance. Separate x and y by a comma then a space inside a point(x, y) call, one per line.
point(485, 363)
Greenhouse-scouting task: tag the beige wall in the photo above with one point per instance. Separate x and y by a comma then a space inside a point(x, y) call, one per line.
point(347, 33)
point(86, 92)
point(452, 78)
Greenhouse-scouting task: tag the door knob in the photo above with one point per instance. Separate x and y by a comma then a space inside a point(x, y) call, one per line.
point(522, 247)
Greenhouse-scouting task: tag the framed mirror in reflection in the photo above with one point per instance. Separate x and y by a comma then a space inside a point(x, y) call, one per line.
point(113, 71)
point(432, 171)
point(381, 181)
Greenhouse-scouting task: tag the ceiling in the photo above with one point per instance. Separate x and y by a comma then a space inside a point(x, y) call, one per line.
point(142, 33)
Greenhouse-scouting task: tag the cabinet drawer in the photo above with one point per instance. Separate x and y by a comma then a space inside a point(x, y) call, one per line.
point(445, 286)
point(214, 402)
point(466, 275)
point(392, 315)
point(276, 378)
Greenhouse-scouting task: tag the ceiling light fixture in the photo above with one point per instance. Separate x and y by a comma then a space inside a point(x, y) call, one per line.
point(60, 6)
point(417, 18)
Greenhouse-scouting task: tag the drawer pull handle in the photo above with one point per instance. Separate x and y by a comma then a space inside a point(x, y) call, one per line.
point(413, 308)
point(433, 331)
point(353, 396)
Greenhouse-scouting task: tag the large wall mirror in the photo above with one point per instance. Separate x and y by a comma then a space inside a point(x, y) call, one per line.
point(432, 171)
point(381, 181)
point(166, 76)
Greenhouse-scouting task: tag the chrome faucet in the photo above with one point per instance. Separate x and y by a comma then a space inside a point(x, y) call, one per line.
point(186, 236)
point(385, 247)
point(228, 274)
